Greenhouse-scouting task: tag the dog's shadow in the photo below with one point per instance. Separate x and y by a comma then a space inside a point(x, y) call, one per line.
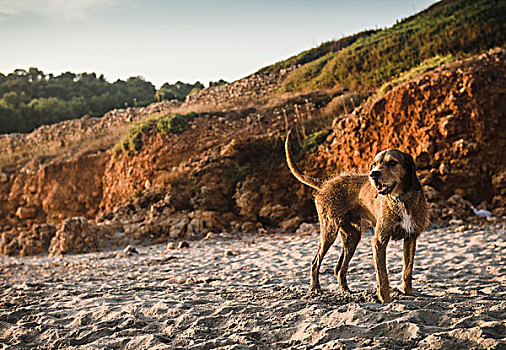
point(336, 297)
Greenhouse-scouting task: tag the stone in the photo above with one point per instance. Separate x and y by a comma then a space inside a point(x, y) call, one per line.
point(307, 229)
point(273, 212)
point(248, 227)
point(290, 225)
point(196, 227)
point(183, 245)
point(129, 250)
point(26, 212)
point(178, 230)
point(76, 235)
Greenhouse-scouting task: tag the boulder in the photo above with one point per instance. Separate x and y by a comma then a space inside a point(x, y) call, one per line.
point(76, 235)
point(178, 230)
point(26, 212)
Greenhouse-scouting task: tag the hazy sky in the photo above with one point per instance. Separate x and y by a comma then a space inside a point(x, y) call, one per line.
point(187, 40)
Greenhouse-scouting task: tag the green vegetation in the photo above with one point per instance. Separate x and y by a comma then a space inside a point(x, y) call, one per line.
point(450, 27)
point(239, 172)
point(425, 66)
point(168, 124)
point(311, 143)
point(32, 98)
point(217, 83)
point(177, 91)
point(317, 52)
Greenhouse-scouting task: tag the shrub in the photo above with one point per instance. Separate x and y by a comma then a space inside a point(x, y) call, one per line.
point(165, 125)
point(239, 172)
point(311, 143)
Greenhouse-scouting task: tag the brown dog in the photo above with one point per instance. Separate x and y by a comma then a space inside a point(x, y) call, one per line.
point(390, 198)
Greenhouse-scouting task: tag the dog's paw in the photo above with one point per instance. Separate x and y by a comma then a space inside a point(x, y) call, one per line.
point(315, 291)
point(407, 291)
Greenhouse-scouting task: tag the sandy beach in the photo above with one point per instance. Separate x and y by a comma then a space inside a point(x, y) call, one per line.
point(250, 292)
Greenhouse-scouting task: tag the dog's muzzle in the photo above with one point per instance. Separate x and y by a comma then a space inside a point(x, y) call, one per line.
point(381, 188)
point(384, 189)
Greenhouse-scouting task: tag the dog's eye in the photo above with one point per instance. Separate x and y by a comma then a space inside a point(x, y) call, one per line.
point(392, 162)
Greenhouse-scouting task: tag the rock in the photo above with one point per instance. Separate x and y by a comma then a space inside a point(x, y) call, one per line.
point(247, 198)
point(183, 245)
point(273, 212)
point(210, 236)
point(179, 229)
point(26, 213)
point(290, 225)
point(307, 228)
point(248, 227)
point(211, 197)
point(196, 227)
point(25, 243)
point(76, 235)
point(9, 243)
point(3, 177)
point(37, 240)
point(456, 222)
point(170, 246)
point(129, 250)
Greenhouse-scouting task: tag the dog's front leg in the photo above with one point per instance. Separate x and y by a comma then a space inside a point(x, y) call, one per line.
point(407, 271)
point(379, 250)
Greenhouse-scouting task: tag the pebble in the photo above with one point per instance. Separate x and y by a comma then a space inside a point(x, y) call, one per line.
point(129, 250)
point(228, 253)
point(183, 245)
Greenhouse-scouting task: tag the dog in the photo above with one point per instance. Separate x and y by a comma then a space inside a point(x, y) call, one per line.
point(390, 198)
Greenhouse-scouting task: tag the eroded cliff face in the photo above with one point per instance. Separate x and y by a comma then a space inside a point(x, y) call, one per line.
point(54, 192)
point(227, 171)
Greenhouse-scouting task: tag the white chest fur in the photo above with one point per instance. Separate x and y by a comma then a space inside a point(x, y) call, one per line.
point(406, 219)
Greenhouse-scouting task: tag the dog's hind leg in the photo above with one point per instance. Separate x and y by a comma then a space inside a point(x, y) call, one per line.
point(328, 236)
point(350, 237)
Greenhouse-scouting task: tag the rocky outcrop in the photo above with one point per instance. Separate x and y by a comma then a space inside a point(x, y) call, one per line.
point(54, 192)
point(35, 241)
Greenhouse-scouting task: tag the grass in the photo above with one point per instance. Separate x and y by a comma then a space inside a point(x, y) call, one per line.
point(425, 66)
point(165, 125)
point(310, 144)
point(447, 28)
point(239, 172)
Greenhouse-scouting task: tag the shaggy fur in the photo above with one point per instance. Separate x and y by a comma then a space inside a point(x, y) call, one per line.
point(390, 198)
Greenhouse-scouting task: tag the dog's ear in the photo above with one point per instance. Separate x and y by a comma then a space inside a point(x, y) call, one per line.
point(410, 179)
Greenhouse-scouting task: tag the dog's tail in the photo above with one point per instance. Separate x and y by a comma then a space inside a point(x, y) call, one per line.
point(295, 170)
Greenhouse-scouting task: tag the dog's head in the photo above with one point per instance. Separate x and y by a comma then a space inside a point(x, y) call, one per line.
point(393, 172)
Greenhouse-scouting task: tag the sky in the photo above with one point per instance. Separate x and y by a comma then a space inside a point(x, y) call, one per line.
point(186, 40)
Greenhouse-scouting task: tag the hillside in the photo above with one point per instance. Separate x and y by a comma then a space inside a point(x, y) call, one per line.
point(451, 27)
point(215, 162)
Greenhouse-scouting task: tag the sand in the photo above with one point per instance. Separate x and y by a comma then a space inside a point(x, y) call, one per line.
point(250, 292)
